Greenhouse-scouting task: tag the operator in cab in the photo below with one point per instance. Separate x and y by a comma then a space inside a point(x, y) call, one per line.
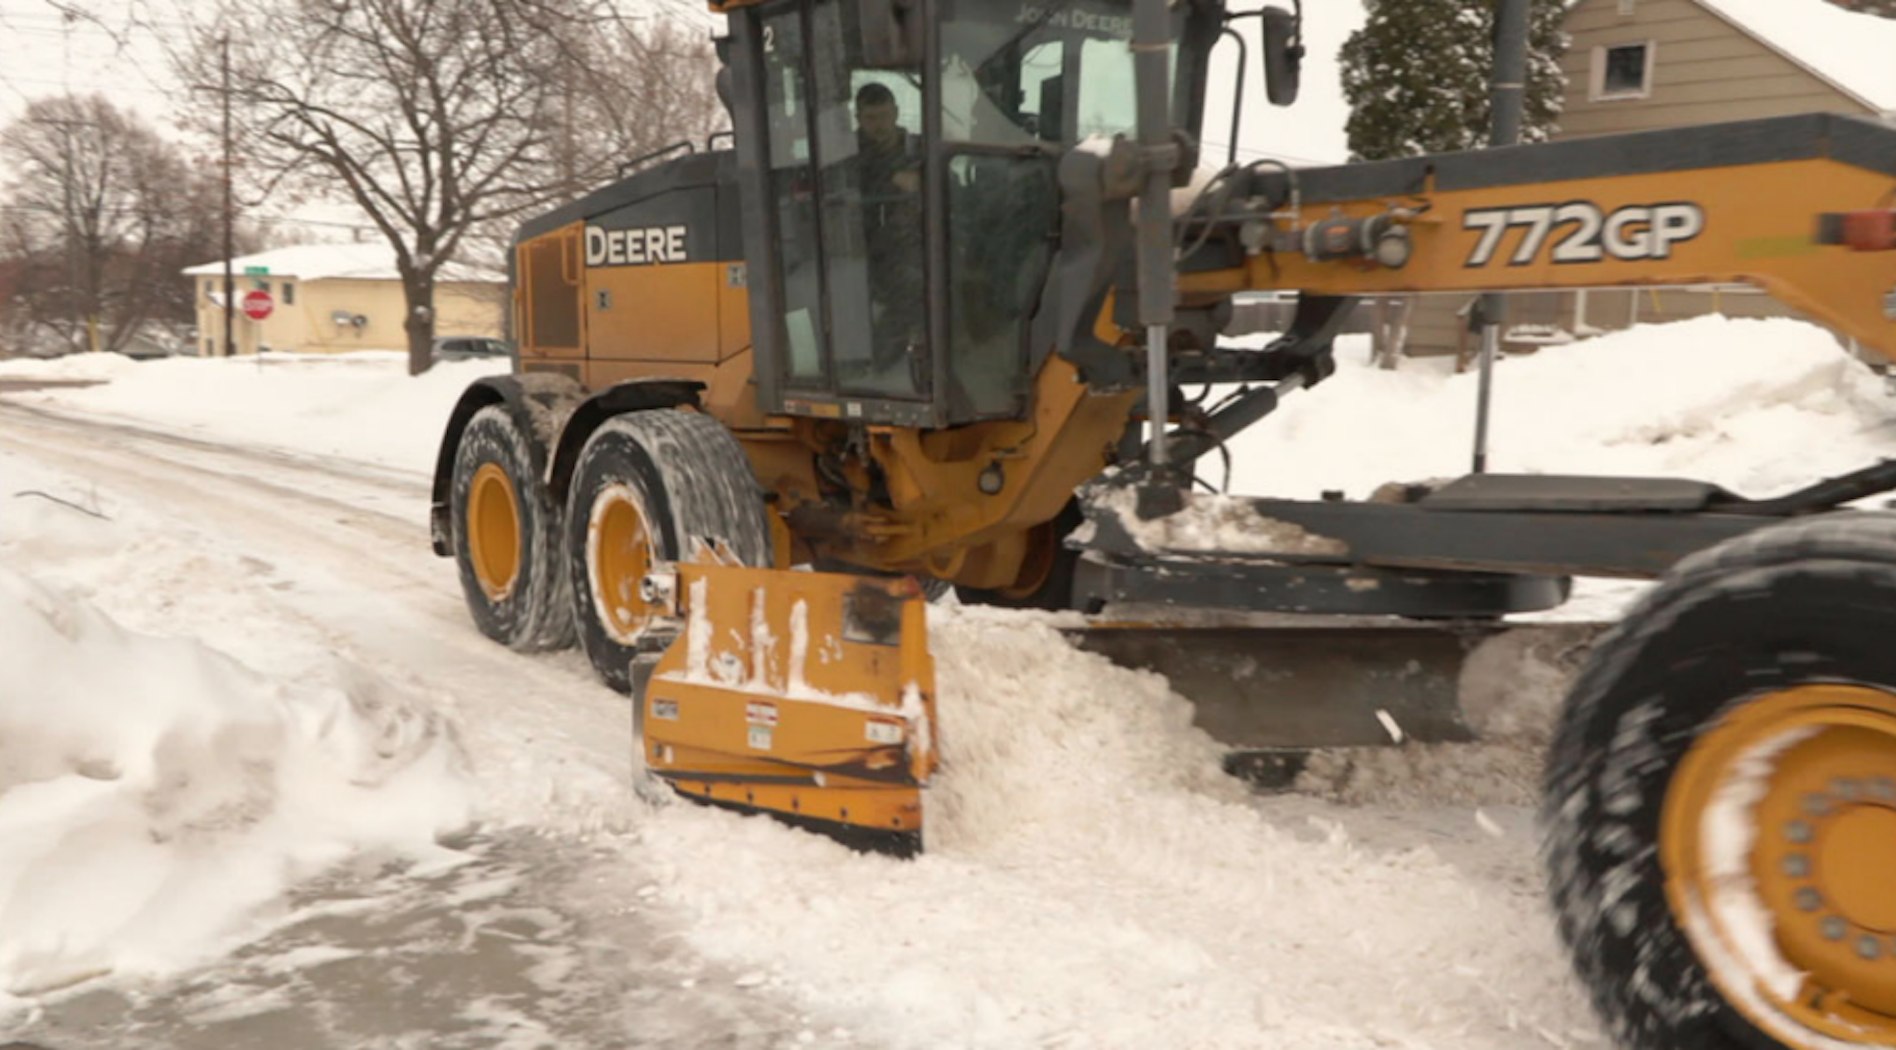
point(890, 172)
point(891, 154)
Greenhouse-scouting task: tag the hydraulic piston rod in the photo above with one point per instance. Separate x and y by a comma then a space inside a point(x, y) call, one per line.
point(1158, 153)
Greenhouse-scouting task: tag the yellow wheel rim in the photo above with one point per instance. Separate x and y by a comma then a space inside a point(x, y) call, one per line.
point(1778, 840)
point(619, 552)
point(493, 531)
point(1043, 550)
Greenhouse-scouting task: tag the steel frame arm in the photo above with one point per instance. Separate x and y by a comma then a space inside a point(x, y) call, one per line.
point(1721, 204)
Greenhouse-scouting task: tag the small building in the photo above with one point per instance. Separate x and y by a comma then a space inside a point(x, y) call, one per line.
point(1645, 65)
point(330, 298)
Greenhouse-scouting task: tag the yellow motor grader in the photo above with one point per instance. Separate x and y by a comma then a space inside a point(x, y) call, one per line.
point(930, 319)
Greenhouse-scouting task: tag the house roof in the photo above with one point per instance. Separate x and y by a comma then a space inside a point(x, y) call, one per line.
point(315, 262)
point(1852, 51)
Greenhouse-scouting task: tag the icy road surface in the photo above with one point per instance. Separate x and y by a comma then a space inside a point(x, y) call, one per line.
point(1092, 879)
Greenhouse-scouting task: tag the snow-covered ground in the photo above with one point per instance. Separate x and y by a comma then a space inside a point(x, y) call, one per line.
point(357, 407)
point(258, 773)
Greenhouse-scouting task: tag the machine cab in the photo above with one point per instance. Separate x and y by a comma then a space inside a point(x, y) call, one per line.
point(901, 167)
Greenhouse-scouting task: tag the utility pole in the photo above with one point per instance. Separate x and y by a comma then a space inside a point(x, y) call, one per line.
point(1507, 99)
point(230, 282)
point(569, 177)
point(1509, 96)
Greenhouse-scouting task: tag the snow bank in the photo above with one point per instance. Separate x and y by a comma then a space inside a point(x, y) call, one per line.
point(1757, 405)
point(1760, 406)
point(358, 406)
point(72, 368)
point(154, 794)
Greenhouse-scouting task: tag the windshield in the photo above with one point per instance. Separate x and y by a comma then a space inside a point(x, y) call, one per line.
point(1015, 72)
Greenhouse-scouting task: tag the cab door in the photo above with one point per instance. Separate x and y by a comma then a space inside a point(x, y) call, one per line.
point(842, 314)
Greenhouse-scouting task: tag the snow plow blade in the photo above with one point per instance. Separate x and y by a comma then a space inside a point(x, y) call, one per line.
point(1272, 693)
point(808, 696)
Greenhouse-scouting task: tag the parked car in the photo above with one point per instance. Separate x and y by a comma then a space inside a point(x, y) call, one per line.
point(470, 348)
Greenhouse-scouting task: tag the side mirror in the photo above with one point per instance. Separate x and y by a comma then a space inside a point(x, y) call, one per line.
point(891, 33)
point(1283, 55)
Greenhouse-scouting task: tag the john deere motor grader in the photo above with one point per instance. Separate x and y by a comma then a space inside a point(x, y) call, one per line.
point(742, 364)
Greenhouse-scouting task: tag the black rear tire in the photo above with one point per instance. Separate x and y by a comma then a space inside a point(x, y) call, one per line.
point(1794, 605)
point(687, 477)
point(533, 611)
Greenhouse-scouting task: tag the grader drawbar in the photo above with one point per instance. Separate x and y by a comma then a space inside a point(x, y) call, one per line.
point(926, 325)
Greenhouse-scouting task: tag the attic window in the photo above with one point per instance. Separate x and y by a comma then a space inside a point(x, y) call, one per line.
point(1623, 72)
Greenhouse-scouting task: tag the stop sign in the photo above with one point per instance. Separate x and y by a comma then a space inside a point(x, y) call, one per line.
point(258, 304)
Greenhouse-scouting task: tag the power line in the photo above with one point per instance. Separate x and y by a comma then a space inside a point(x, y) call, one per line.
point(266, 220)
point(100, 41)
point(116, 89)
point(92, 74)
point(57, 22)
point(252, 220)
point(11, 86)
point(1267, 154)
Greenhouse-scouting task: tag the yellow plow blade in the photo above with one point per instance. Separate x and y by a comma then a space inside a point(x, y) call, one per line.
point(810, 696)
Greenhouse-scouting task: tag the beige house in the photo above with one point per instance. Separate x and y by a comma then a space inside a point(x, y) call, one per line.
point(1644, 65)
point(336, 297)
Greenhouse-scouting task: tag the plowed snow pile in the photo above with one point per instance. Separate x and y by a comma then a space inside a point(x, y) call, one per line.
point(156, 797)
point(1093, 880)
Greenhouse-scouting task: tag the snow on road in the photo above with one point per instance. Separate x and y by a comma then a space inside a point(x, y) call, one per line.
point(1091, 880)
point(507, 920)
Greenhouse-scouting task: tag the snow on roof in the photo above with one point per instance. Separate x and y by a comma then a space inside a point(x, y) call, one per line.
point(315, 262)
point(1853, 51)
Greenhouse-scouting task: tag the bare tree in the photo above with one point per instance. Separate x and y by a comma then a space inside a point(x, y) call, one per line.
point(443, 120)
point(99, 217)
point(627, 89)
point(669, 94)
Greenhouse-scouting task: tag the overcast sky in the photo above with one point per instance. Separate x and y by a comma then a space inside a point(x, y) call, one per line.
point(119, 50)
point(44, 53)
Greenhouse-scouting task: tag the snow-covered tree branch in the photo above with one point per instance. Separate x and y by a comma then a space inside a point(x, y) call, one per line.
point(1417, 76)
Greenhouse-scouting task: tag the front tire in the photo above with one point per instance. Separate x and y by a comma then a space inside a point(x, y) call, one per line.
point(506, 538)
point(649, 485)
point(1721, 799)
